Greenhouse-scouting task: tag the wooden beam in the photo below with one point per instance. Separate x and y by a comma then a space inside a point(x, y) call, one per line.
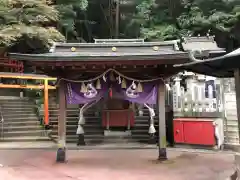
point(161, 123)
point(61, 153)
point(17, 86)
point(46, 109)
point(237, 89)
point(106, 63)
point(12, 76)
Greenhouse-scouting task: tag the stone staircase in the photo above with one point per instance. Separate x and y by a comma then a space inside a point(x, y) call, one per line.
point(21, 123)
point(141, 127)
point(93, 129)
point(231, 122)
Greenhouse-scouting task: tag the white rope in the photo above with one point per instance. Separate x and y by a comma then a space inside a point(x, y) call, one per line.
point(107, 71)
point(81, 119)
point(152, 129)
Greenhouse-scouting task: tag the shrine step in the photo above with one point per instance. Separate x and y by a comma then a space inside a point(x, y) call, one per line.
point(25, 128)
point(141, 127)
point(89, 139)
point(14, 133)
point(20, 121)
point(25, 139)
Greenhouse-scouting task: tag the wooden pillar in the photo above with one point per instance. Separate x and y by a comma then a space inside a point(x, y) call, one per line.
point(46, 109)
point(61, 153)
point(237, 89)
point(161, 123)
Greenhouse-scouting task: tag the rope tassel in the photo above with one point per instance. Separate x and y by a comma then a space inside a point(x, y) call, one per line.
point(139, 87)
point(80, 129)
point(124, 84)
point(98, 84)
point(83, 88)
point(152, 129)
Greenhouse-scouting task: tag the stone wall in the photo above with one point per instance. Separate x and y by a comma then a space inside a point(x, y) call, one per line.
point(231, 123)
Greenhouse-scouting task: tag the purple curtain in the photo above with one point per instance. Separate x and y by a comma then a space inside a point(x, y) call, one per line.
point(75, 96)
point(131, 93)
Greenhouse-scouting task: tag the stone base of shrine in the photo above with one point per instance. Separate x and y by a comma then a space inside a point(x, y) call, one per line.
point(232, 147)
point(122, 134)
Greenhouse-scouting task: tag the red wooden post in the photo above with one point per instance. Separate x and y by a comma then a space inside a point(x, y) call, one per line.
point(46, 113)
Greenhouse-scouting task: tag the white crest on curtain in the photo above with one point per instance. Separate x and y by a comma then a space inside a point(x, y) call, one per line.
point(91, 91)
point(132, 91)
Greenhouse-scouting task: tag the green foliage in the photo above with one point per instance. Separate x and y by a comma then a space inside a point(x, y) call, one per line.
point(27, 18)
point(171, 19)
point(81, 20)
point(69, 11)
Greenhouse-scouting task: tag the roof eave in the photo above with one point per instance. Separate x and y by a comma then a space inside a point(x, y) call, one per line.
point(32, 57)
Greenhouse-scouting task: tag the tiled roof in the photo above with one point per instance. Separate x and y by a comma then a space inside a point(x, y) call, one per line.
point(206, 43)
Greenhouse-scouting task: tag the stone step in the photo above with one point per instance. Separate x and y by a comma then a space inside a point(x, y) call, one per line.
point(24, 133)
point(19, 120)
point(22, 128)
point(15, 101)
point(74, 126)
point(87, 131)
point(29, 116)
point(117, 140)
point(75, 120)
point(21, 123)
point(29, 104)
point(141, 125)
point(18, 111)
point(75, 137)
point(25, 139)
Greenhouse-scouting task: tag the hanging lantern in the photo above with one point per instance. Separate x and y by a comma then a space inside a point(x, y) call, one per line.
point(139, 87)
point(83, 88)
point(124, 84)
point(98, 84)
point(112, 78)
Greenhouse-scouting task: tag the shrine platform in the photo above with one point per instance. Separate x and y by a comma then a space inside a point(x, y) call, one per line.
point(115, 164)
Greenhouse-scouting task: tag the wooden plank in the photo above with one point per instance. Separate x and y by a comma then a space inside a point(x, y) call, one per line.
point(17, 86)
point(62, 124)
point(161, 123)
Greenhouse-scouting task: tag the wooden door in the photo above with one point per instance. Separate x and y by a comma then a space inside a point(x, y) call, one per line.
point(178, 131)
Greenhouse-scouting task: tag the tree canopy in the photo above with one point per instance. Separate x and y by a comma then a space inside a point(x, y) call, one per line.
point(29, 21)
point(84, 20)
point(158, 19)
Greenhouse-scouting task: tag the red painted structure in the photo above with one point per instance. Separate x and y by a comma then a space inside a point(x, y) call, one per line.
point(118, 118)
point(197, 131)
point(11, 65)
